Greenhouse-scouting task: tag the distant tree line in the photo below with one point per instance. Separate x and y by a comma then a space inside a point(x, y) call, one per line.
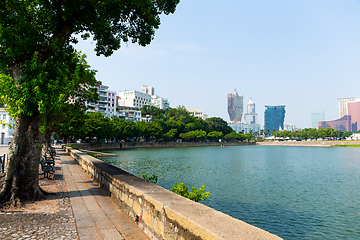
point(165, 125)
point(310, 133)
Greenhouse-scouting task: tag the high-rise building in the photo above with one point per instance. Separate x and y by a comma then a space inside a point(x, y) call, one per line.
point(343, 105)
point(342, 124)
point(316, 117)
point(251, 121)
point(354, 112)
point(251, 116)
point(274, 117)
point(235, 106)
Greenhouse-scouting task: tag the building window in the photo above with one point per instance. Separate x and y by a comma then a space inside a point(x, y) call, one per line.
point(4, 116)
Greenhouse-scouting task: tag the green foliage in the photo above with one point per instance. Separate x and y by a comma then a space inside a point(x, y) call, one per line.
point(194, 135)
point(154, 112)
point(92, 154)
point(233, 136)
point(153, 179)
point(173, 124)
point(311, 133)
point(39, 68)
point(72, 146)
point(219, 125)
point(215, 135)
point(195, 194)
point(347, 145)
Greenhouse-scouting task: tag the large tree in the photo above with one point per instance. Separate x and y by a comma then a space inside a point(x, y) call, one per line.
point(36, 50)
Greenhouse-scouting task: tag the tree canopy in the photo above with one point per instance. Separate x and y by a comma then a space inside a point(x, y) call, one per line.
point(170, 125)
point(40, 70)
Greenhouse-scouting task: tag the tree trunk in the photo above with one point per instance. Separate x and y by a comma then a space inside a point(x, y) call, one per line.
point(47, 142)
point(22, 175)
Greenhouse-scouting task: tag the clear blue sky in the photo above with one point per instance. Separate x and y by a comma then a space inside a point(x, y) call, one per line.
point(302, 54)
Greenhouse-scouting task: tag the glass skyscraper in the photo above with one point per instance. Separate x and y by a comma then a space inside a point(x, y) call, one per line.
point(316, 117)
point(274, 117)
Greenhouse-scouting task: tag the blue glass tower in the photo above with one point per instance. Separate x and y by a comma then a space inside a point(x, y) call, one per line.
point(274, 117)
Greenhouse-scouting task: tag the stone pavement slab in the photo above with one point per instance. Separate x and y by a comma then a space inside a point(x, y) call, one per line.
point(96, 215)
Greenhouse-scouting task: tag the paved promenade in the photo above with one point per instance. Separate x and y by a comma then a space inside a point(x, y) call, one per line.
point(84, 211)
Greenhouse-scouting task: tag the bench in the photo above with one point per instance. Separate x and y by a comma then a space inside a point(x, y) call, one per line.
point(47, 169)
point(48, 161)
point(52, 152)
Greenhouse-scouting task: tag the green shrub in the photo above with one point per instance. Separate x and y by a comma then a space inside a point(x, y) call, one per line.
point(72, 146)
point(92, 154)
point(195, 194)
point(153, 179)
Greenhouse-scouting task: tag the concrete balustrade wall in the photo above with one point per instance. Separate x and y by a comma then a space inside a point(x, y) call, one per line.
point(160, 213)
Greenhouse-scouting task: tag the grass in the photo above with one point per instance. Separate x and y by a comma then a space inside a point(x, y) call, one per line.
point(348, 145)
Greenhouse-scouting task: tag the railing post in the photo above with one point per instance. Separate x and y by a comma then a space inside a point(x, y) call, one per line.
point(3, 163)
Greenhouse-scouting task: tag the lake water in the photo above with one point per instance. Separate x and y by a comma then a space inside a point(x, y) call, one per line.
point(293, 192)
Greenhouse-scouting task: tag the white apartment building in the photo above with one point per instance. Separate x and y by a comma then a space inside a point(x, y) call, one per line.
point(159, 102)
point(107, 102)
point(245, 128)
point(156, 101)
point(129, 113)
point(133, 99)
point(6, 131)
point(196, 112)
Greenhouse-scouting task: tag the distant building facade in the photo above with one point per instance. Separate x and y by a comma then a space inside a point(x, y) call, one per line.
point(6, 131)
point(133, 99)
point(342, 124)
point(274, 117)
point(159, 102)
point(235, 106)
point(251, 116)
point(251, 121)
point(245, 128)
point(343, 105)
point(316, 117)
point(196, 112)
point(148, 90)
point(107, 103)
point(289, 127)
point(354, 112)
point(129, 113)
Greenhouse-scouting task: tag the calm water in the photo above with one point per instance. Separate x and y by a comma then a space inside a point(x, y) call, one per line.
point(293, 192)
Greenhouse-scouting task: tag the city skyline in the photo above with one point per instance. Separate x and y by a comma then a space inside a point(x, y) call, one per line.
point(304, 55)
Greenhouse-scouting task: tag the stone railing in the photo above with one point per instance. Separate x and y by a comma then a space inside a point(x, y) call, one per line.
point(160, 213)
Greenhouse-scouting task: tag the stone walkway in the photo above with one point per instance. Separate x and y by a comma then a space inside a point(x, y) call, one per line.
point(84, 211)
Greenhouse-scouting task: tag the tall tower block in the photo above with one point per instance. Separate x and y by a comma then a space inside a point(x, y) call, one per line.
point(235, 106)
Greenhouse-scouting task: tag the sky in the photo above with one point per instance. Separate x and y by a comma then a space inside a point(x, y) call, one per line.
point(302, 54)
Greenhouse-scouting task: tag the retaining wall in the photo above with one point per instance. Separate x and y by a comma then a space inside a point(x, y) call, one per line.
point(309, 143)
point(160, 213)
point(127, 145)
